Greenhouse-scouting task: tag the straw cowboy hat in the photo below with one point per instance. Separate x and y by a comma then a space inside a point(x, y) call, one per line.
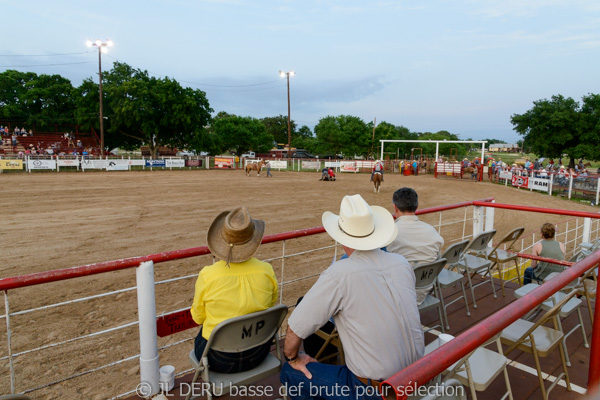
point(234, 236)
point(360, 226)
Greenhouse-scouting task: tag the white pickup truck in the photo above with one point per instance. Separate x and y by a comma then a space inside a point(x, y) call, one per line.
point(249, 154)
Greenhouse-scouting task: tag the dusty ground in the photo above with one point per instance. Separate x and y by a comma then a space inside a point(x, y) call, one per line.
point(59, 220)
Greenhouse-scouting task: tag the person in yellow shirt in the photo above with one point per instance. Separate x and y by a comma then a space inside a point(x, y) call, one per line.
point(237, 284)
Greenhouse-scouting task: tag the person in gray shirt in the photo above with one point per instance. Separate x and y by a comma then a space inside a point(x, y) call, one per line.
point(371, 296)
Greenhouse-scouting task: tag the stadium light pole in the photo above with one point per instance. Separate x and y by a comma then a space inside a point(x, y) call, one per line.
point(102, 48)
point(287, 74)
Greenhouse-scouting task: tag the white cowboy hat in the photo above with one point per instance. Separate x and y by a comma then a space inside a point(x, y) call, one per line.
point(360, 226)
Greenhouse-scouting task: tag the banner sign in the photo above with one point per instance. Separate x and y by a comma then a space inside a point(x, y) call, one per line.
point(520, 181)
point(137, 162)
point(193, 163)
point(279, 164)
point(505, 175)
point(67, 162)
point(175, 322)
point(444, 168)
point(347, 166)
point(94, 164)
point(365, 164)
point(11, 164)
point(540, 184)
point(155, 163)
point(223, 162)
point(175, 163)
point(311, 165)
point(332, 164)
point(118, 165)
point(41, 164)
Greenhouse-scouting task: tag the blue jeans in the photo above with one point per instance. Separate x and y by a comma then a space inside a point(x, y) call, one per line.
point(219, 361)
point(331, 382)
point(529, 276)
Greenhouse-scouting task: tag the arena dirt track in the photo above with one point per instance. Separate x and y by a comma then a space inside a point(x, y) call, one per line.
point(59, 220)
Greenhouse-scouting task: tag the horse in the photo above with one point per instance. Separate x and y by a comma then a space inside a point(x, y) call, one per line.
point(254, 166)
point(377, 181)
point(472, 171)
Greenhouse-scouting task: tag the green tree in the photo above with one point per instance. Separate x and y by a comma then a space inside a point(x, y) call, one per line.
point(143, 110)
point(589, 128)
point(343, 134)
point(12, 89)
point(551, 128)
point(387, 131)
point(305, 139)
point(278, 128)
point(242, 134)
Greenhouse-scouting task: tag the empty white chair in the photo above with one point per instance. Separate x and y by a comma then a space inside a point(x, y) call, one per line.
point(448, 277)
point(476, 262)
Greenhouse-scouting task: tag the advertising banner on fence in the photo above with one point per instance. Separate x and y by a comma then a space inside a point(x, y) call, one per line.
point(332, 164)
point(193, 163)
point(311, 165)
point(155, 163)
point(365, 164)
point(505, 175)
point(347, 166)
point(94, 164)
point(67, 162)
point(11, 164)
point(540, 184)
point(137, 162)
point(223, 162)
point(279, 164)
point(118, 165)
point(175, 163)
point(520, 181)
point(41, 164)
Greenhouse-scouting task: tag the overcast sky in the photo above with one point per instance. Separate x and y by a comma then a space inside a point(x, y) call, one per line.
point(463, 65)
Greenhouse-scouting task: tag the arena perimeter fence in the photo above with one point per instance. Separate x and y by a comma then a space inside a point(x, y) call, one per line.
point(83, 163)
point(25, 354)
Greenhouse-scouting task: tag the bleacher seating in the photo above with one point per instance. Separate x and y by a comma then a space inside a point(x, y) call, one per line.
point(43, 140)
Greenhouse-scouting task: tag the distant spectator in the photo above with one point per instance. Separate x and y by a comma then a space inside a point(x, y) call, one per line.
point(49, 151)
point(31, 132)
point(16, 131)
point(1, 130)
point(79, 144)
point(14, 139)
point(23, 131)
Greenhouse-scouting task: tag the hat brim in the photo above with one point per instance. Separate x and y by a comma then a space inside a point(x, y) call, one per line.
point(219, 247)
point(385, 230)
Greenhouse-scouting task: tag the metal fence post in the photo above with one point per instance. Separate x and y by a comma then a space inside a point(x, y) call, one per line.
point(149, 364)
point(477, 220)
point(8, 342)
point(585, 236)
point(570, 185)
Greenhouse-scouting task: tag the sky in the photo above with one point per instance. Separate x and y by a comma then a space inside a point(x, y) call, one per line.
point(464, 66)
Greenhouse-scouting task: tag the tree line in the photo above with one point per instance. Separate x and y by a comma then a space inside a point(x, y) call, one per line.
point(141, 110)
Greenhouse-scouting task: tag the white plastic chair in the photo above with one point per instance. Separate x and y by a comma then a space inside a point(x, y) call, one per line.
point(448, 277)
point(502, 256)
point(426, 275)
point(236, 335)
point(476, 262)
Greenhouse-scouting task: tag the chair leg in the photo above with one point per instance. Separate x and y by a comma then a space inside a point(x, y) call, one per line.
point(462, 286)
point(492, 281)
point(439, 288)
point(564, 342)
point(519, 280)
point(539, 371)
point(471, 287)
point(585, 341)
point(564, 365)
point(192, 384)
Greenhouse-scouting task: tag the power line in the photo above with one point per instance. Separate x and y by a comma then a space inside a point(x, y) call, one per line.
point(43, 55)
point(44, 65)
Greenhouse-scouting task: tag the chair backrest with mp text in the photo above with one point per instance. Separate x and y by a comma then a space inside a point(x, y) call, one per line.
point(246, 331)
point(426, 273)
point(454, 252)
point(480, 242)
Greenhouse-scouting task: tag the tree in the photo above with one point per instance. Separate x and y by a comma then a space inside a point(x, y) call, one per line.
point(387, 131)
point(143, 110)
point(278, 128)
point(589, 128)
point(343, 134)
point(305, 139)
point(551, 128)
point(242, 134)
point(36, 100)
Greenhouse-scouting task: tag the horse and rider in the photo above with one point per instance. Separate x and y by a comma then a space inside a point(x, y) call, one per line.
point(254, 167)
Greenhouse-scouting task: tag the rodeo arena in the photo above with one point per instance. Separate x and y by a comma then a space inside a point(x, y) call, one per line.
point(102, 254)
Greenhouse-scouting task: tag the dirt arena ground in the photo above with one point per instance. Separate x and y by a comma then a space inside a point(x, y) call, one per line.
point(59, 220)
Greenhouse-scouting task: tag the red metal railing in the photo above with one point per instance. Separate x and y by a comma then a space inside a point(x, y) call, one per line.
point(438, 360)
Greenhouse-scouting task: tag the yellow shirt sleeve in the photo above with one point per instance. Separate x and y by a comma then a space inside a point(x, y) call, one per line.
point(198, 310)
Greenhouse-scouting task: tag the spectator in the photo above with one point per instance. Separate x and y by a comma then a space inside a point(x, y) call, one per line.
point(548, 248)
point(49, 151)
point(14, 140)
point(31, 132)
point(415, 167)
point(417, 241)
point(79, 144)
point(1, 130)
point(377, 167)
point(237, 284)
point(16, 131)
point(371, 296)
point(23, 131)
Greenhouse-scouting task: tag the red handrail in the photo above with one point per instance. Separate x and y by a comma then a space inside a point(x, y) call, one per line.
point(584, 214)
point(434, 363)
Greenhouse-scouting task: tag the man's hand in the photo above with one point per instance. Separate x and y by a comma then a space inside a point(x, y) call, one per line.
point(299, 364)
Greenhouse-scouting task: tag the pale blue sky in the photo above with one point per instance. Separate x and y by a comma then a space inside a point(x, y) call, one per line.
point(464, 65)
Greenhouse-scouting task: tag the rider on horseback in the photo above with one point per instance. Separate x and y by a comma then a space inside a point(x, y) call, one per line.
point(378, 167)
